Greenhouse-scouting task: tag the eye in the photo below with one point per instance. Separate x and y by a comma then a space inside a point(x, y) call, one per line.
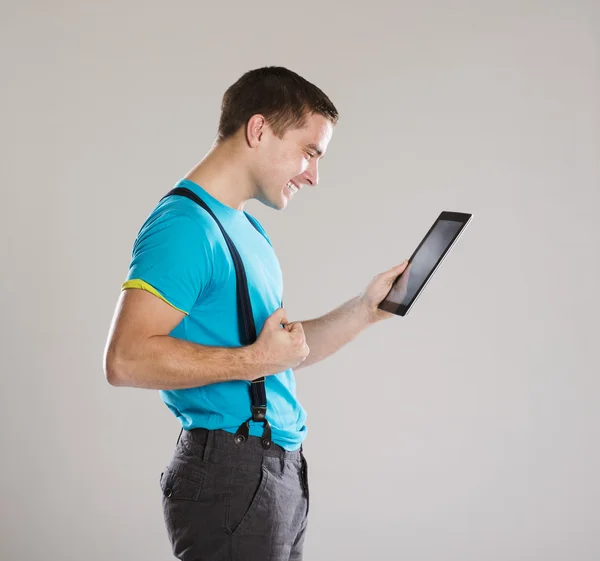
point(309, 155)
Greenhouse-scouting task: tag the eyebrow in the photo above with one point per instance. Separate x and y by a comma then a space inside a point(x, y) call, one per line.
point(316, 149)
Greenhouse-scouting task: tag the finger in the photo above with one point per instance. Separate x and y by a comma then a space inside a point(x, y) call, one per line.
point(296, 327)
point(305, 352)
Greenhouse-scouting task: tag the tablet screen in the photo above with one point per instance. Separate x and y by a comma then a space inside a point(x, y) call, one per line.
point(424, 262)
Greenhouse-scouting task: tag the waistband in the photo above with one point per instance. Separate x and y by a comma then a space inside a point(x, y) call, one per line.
point(219, 446)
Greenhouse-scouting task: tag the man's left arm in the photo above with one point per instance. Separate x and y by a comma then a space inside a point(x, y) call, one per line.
point(329, 333)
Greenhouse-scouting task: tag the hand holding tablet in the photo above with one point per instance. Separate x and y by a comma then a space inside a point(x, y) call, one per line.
point(424, 262)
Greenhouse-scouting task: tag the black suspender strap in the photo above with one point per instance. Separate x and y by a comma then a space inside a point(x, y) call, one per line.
point(246, 325)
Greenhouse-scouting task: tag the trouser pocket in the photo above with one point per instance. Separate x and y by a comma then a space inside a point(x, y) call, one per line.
point(179, 491)
point(193, 509)
point(304, 479)
point(245, 498)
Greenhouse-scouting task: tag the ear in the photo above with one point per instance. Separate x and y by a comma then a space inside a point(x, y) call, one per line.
point(255, 129)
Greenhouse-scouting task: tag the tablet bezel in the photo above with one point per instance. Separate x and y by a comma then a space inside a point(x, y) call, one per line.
point(402, 309)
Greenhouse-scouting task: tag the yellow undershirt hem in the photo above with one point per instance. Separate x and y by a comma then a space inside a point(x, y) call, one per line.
point(139, 283)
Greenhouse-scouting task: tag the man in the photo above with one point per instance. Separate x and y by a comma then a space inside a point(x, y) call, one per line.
point(237, 486)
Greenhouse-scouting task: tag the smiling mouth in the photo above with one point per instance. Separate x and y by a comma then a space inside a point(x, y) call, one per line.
point(292, 187)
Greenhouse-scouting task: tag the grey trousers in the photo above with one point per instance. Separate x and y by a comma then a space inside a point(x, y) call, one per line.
point(226, 502)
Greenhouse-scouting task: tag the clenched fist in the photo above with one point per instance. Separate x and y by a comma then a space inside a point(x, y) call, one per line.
point(279, 348)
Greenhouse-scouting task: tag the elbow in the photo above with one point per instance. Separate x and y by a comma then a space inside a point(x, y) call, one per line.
point(115, 370)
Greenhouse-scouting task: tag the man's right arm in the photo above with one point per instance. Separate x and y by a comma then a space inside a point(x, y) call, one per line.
point(140, 352)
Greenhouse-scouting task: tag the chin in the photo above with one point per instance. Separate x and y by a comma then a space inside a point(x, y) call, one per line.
point(284, 203)
point(277, 201)
point(279, 204)
point(276, 205)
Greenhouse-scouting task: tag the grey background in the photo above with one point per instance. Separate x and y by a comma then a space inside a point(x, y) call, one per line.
point(468, 430)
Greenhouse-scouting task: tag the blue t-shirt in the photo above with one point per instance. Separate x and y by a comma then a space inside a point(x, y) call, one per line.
point(181, 256)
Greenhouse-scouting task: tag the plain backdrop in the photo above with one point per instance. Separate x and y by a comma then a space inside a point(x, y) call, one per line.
point(467, 430)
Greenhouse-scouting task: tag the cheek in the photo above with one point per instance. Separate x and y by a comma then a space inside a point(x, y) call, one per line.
point(279, 164)
point(284, 166)
point(299, 165)
point(288, 169)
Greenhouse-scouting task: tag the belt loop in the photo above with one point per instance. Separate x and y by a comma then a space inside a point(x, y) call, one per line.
point(210, 436)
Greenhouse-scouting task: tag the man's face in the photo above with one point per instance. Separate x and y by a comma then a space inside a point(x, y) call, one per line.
point(290, 163)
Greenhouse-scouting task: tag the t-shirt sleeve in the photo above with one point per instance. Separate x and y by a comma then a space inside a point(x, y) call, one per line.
point(172, 259)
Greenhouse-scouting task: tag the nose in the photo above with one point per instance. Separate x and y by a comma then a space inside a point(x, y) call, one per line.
point(311, 176)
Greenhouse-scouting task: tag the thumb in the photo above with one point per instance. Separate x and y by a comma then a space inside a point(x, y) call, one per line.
point(296, 327)
point(398, 269)
point(279, 316)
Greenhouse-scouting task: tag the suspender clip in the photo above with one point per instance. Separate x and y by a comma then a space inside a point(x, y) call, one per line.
point(259, 414)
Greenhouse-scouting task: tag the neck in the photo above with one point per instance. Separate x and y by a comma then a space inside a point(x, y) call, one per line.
point(223, 175)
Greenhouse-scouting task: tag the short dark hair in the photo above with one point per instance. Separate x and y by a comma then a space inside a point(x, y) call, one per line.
point(283, 97)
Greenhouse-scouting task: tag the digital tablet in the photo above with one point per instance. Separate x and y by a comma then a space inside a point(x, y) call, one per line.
point(424, 262)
